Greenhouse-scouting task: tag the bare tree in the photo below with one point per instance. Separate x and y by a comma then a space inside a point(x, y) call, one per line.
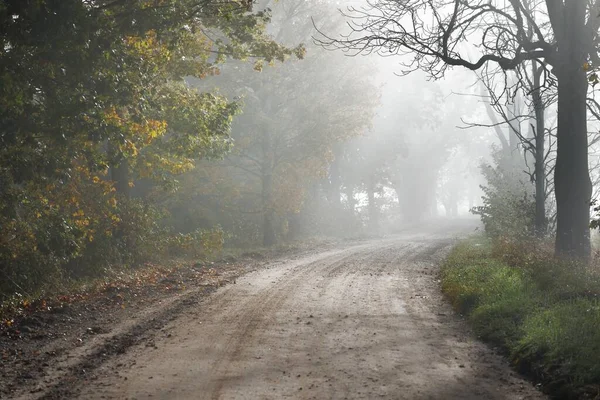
point(561, 35)
point(524, 103)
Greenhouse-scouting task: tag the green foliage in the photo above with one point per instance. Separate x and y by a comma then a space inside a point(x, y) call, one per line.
point(488, 290)
point(135, 236)
point(92, 98)
point(595, 223)
point(508, 203)
point(562, 278)
point(284, 138)
point(201, 242)
point(77, 228)
point(545, 313)
point(75, 75)
point(49, 242)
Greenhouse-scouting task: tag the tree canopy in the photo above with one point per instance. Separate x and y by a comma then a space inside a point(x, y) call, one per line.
point(92, 97)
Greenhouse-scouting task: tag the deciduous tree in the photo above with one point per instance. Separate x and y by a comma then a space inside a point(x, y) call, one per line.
point(562, 35)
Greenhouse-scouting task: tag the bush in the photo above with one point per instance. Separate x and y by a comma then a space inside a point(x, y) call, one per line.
point(132, 236)
point(508, 202)
point(71, 229)
point(201, 242)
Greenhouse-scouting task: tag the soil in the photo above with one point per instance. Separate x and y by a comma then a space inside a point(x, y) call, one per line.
point(361, 320)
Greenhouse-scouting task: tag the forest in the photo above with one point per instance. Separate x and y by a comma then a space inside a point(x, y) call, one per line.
point(136, 133)
point(201, 128)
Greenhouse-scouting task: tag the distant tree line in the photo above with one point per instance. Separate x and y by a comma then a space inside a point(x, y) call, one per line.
point(556, 39)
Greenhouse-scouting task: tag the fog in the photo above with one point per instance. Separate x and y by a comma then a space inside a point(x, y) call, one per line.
point(152, 127)
point(336, 144)
point(355, 171)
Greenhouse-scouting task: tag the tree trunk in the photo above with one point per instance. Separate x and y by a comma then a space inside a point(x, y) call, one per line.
point(294, 226)
point(269, 229)
point(119, 172)
point(454, 209)
point(540, 142)
point(373, 211)
point(447, 209)
point(471, 196)
point(269, 215)
point(514, 127)
point(572, 182)
point(351, 200)
point(267, 191)
point(334, 192)
point(433, 202)
point(120, 175)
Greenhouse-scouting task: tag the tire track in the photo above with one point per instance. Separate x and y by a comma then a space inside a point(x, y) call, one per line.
point(344, 324)
point(262, 308)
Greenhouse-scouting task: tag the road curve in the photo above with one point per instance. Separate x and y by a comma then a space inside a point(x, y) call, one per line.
point(362, 322)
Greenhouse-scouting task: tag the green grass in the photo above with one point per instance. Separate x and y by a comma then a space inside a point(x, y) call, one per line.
point(545, 314)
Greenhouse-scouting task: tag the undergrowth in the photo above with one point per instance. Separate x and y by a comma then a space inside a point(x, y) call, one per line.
point(200, 249)
point(544, 313)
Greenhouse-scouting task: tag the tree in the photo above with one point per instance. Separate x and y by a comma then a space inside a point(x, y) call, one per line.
point(91, 98)
point(508, 208)
point(284, 138)
point(80, 73)
point(523, 102)
point(564, 37)
point(366, 166)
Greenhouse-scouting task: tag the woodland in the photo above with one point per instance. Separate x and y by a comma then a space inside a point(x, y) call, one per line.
point(136, 131)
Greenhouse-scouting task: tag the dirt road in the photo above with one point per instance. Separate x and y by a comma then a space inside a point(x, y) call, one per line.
point(363, 322)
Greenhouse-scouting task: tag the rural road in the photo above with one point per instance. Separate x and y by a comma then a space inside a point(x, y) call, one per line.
point(362, 322)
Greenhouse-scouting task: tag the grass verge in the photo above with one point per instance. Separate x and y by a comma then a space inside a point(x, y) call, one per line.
point(545, 314)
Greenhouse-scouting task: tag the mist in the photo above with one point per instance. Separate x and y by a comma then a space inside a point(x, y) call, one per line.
point(299, 199)
point(334, 144)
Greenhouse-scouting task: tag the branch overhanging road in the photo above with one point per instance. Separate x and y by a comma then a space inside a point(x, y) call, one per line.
point(362, 322)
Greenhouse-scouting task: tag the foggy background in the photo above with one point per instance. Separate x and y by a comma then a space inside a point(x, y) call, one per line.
point(242, 127)
point(336, 144)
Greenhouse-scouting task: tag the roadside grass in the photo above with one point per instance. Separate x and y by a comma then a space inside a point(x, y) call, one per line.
point(544, 313)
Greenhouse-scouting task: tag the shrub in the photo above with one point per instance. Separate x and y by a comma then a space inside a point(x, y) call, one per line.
point(70, 229)
point(201, 242)
point(508, 203)
point(132, 236)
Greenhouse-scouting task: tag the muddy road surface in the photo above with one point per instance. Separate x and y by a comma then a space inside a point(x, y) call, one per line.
point(365, 321)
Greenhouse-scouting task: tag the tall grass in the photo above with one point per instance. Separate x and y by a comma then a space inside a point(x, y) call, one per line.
point(543, 312)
